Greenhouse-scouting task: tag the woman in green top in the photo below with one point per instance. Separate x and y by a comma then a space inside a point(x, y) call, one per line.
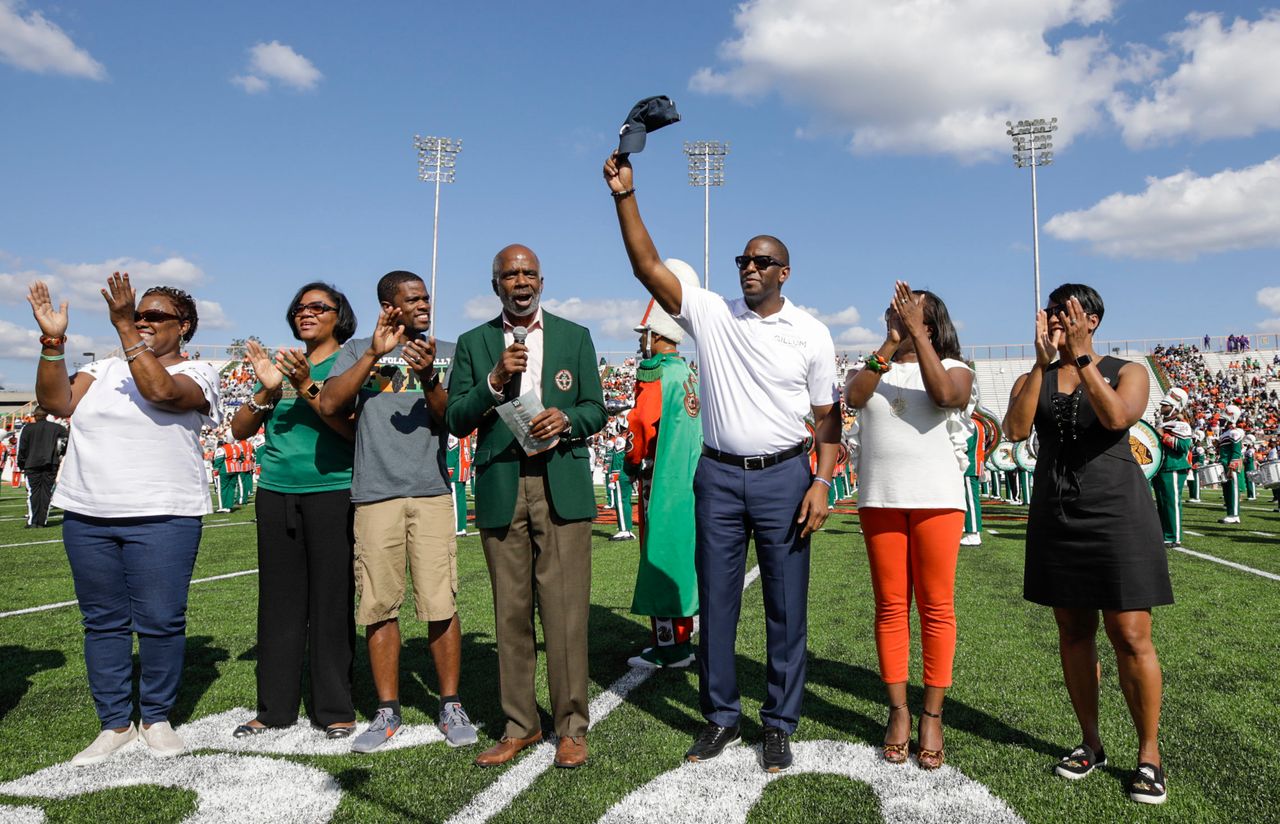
point(305, 586)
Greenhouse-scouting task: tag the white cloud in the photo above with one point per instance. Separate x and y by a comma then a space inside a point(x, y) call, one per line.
point(212, 315)
point(35, 44)
point(278, 63)
point(859, 337)
point(1182, 216)
point(844, 317)
point(250, 83)
point(612, 318)
point(1225, 85)
point(482, 307)
point(80, 284)
point(1268, 298)
point(919, 76)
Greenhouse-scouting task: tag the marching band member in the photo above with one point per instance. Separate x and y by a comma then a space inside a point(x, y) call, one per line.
point(1196, 460)
point(459, 462)
point(972, 488)
point(1250, 466)
point(621, 483)
point(1175, 437)
point(1230, 455)
point(666, 443)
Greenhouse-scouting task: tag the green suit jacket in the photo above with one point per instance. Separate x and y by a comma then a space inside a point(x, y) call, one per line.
point(570, 382)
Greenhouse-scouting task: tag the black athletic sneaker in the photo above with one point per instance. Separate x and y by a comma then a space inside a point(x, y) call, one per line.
point(1080, 762)
point(711, 741)
point(1146, 785)
point(775, 755)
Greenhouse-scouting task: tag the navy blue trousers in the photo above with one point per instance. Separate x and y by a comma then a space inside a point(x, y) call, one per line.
point(732, 505)
point(131, 577)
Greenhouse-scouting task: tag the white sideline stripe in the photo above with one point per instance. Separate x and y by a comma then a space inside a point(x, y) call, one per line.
point(1263, 534)
point(1231, 564)
point(209, 525)
point(47, 607)
point(1197, 534)
point(498, 796)
point(993, 532)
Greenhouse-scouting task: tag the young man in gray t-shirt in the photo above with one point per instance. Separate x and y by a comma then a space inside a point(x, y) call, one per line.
point(403, 505)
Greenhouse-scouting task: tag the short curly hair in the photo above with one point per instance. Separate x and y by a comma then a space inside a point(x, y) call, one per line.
point(184, 303)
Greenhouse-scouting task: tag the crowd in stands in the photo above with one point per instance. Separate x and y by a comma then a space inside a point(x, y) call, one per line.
point(1246, 383)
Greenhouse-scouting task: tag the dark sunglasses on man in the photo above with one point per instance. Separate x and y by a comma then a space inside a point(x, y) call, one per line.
point(314, 308)
point(762, 262)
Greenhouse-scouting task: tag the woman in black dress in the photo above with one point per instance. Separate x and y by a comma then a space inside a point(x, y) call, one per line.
point(1093, 537)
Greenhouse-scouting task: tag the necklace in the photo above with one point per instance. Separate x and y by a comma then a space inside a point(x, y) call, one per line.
point(899, 404)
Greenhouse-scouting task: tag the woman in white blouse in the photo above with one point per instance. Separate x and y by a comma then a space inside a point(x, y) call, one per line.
point(914, 397)
point(133, 490)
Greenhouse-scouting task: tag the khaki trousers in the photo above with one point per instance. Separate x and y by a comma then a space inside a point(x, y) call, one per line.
point(540, 558)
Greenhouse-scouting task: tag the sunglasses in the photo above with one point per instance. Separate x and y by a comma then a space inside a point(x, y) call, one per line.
point(762, 262)
point(315, 308)
point(155, 316)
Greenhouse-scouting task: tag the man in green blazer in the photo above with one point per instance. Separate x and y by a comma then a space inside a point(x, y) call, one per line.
point(533, 511)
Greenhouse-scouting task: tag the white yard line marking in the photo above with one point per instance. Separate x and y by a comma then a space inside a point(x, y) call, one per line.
point(498, 796)
point(1231, 564)
point(992, 532)
point(1197, 534)
point(59, 604)
point(1263, 534)
point(207, 525)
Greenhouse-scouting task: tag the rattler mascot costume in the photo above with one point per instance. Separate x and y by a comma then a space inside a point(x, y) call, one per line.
point(664, 438)
point(1176, 438)
point(1230, 454)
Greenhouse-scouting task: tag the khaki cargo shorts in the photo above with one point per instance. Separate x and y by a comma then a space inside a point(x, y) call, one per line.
point(412, 532)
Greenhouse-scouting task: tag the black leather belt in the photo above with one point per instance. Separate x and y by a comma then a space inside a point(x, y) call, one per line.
point(753, 461)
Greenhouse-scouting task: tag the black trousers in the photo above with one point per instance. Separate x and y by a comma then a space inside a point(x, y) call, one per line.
point(39, 492)
point(306, 595)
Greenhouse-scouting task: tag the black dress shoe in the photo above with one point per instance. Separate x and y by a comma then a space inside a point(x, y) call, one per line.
point(776, 752)
point(711, 741)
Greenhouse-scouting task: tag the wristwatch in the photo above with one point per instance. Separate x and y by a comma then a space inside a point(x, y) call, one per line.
point(312, 390)
point(1083, 361)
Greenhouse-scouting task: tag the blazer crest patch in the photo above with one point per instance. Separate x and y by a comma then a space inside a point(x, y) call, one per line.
point(564, 380)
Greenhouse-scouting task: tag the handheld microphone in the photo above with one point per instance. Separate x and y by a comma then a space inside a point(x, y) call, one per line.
point(518, 335)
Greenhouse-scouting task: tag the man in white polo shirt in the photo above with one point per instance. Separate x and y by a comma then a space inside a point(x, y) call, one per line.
point(763, 365)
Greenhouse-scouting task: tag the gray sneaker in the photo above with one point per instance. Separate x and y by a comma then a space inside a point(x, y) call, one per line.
point(456, 726)
point(384, 725)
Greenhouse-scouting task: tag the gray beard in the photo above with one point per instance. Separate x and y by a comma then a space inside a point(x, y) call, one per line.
point(509, 307)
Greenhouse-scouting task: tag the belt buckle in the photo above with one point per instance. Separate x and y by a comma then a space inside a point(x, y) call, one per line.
point(757, 460)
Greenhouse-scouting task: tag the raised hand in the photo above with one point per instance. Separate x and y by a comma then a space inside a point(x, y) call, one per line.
point(52, 322)
point(1046, 343)
point(121, 300)
point(514, 359)
point(293, 363)
point(894, 332)
point(910, 309)
point(1076, 332)
point(420, 356)
point(618, 173)
point(266, 371)
point(387, 332)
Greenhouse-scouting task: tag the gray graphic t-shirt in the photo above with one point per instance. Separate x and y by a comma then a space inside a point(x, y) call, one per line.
point(400, 451)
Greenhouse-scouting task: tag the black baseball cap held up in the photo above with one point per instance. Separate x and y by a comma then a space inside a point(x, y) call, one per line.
point(648, 115)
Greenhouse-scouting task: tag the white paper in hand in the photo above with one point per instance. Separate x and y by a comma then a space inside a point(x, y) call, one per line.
point(517, 415)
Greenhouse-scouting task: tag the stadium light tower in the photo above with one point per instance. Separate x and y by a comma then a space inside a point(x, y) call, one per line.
point(706, 169)
point(437, 158)
point(1033, 146)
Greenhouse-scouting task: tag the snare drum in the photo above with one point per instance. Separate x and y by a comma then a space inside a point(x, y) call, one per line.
point(1214, 474)
point(1267, 475)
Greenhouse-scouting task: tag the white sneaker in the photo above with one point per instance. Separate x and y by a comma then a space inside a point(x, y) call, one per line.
point(1194, 501)
point(162, 740)
point(107, 742)
point(1230, 519)
point(971, 539)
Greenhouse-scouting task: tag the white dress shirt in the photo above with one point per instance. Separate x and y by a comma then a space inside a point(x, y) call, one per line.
point(532, 377)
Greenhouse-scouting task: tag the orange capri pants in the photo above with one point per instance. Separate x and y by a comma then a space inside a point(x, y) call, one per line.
point(914, 551)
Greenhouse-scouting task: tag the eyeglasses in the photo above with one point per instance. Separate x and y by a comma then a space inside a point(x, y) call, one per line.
point(512, 274)
point(315, 308)
point(762, 262)
point(155, 316)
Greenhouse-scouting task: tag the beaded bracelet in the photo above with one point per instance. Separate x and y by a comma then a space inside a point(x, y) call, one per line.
point(137, 354)
point(878, 364)
point(621, 195)
point(129, 349)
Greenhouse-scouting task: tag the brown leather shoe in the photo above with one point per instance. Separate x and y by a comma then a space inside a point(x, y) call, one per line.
point(505, 750)
point(571, 752)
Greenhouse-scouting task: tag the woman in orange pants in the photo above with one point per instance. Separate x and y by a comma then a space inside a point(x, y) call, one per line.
point(914, 398)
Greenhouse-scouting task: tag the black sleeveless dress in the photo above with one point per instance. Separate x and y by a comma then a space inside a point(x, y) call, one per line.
point(1093, 534)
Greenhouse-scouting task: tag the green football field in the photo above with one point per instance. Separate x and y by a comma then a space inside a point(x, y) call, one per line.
point(1007, 718)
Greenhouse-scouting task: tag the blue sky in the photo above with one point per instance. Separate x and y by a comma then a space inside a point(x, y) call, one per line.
point(241, 149)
